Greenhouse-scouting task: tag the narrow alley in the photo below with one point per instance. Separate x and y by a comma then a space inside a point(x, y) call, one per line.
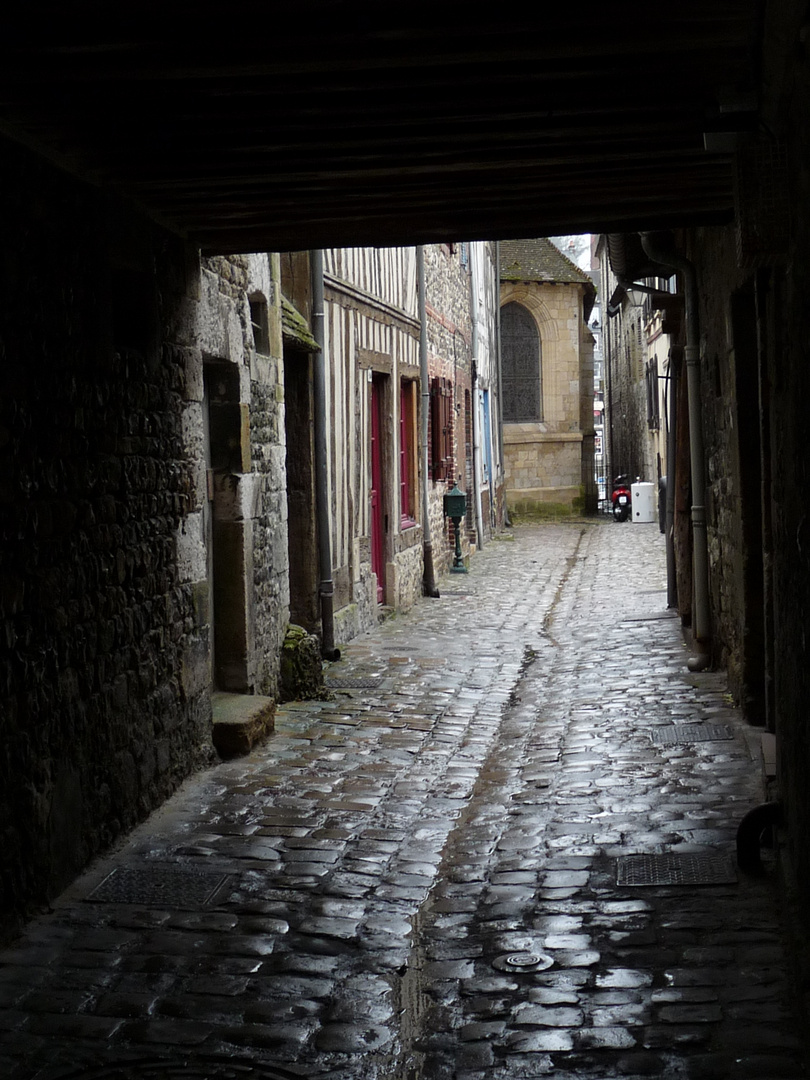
point(440, 872)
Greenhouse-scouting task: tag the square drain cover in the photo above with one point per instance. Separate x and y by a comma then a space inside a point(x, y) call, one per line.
point(675, 870)
point(673, 734)
point(339, 682)
point(155, 887)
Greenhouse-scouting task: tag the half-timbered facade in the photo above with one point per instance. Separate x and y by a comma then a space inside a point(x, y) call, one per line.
point(372, 347)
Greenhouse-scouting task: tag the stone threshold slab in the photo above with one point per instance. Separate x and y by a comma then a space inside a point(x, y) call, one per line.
point(241, 721)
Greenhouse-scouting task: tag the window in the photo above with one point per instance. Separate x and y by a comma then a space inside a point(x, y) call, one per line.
point(260, 326)
point(441, 429)
point(407, 463)
point(522, 376)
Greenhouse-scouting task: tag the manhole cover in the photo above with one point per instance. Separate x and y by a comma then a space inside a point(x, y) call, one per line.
point(675, 870)
point(155, 886)
point(183, 1069)
point(523, 961)
point(339, 682)
point(673, 734)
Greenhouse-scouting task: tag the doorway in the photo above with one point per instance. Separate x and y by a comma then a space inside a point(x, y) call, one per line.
point(225, 452)
point(302, 533)
point(377, 523)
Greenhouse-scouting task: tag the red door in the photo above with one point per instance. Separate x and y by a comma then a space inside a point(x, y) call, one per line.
point(376, 488)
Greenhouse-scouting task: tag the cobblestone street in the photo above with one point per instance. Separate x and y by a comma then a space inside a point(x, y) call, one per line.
point(420, 877)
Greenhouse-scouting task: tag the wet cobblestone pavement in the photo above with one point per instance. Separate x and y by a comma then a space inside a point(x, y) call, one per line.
point(418, 879)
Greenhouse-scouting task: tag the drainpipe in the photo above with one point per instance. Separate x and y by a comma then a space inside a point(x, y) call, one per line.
point(701, 629)
point(499, 376)
point(428, 579)
point(476, 433)
point(326, 587)
point(672, 402)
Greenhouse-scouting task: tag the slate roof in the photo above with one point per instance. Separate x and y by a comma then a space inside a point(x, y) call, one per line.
point(538, 260)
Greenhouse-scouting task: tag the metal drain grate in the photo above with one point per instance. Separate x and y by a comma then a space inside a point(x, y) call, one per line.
point(154, 886)
point(340, 682)
point(202, 1068)
point(636, 870)
point(523, 961)
point(673, 734)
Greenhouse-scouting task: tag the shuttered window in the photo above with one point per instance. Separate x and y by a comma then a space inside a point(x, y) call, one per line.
point(441, 429)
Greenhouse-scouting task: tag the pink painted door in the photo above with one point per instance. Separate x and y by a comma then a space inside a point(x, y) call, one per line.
point(376, 489)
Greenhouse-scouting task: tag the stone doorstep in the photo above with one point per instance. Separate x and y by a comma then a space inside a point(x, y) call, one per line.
point(241, 721)
point(769, 756)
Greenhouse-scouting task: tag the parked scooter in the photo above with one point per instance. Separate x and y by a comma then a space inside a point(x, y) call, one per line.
point(621, 498)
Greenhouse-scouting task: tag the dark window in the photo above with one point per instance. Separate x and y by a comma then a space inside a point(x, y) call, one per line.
point(260, 326)
point(407, 442)
point(522, 377)
point(441, 429)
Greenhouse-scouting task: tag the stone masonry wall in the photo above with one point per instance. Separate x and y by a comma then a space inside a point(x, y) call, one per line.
point(262, 510)
point(102, 702)
point(715, 256)
point(449, 330)
point(544, 459)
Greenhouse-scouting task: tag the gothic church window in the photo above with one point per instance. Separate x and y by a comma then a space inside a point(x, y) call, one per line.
point(522, 371)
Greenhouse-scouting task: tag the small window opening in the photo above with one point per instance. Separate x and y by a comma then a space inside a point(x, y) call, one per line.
point(259, 325)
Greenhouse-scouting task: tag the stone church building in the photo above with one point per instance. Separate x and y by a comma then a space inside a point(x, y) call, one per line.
point(547, 357)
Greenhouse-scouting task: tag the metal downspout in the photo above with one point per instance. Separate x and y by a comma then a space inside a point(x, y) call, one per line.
point(499, 376)
point(326, 587)
point(476, 427)
point(428, 577)
point(672, 577)
point(701, 628)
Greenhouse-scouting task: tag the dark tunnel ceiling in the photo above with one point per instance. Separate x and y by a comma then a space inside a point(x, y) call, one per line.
point(249, 127)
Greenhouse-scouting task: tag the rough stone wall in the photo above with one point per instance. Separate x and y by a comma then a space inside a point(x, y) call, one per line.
point(250, 507)
point(740, 404)
point(715, 258)
point(271, 579)
point(107, 327)
point(627, 399)
point(103, 679)
point(449, 331)
point(782, 297)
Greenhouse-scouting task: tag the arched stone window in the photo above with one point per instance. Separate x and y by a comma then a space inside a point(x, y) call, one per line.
point(521, 367)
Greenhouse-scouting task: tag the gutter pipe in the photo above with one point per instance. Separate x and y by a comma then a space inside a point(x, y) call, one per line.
point(428, 577)
point(499, 375)
point(476, 432)
point(326, 587)
point(672, 402)
point(701, 626)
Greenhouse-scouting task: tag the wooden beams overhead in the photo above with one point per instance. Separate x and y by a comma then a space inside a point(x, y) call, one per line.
point(352, 123)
